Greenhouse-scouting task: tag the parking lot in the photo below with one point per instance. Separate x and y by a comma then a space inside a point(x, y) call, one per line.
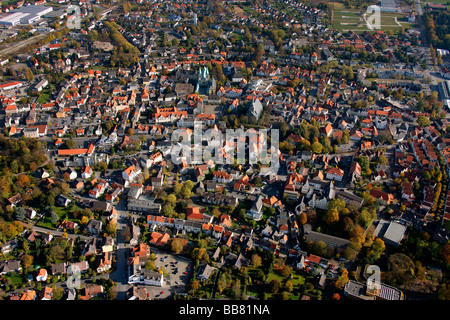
point(179, 271)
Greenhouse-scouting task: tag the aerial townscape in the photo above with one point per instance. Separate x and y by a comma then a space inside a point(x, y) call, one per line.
point(100, 201)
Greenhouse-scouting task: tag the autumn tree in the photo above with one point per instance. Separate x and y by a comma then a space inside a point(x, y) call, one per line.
point(236, 289)
point(130, 131)
point(274, 286)
point(177, 189)
point(216, 213)
point(316, 147)
point(200, 254)
point(303, 218)
point(312, 216)
point(337, 204)
point(112, 293)
point(332, 217)
point(146, 173)
point(286, 271)
point(357, 237)
point(111, 228)
point(150, 265)
point(176, 245)
point(256, 260)
point(342, 280)
point(87, 213)
point(445, 253)
point(125, 234)
point(194, 286)
point(27, 260)
point(84, 220)
point(57, 292)
point(289, 286)
point(29, 76)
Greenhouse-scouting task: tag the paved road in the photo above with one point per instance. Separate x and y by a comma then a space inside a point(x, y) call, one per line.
point(120, 273)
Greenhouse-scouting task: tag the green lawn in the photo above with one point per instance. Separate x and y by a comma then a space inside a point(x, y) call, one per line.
point(43, 98)
point(46, 222)
point(15, 278)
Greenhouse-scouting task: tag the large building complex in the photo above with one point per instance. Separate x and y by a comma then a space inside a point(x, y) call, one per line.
point(25, 15)
point(372, 291)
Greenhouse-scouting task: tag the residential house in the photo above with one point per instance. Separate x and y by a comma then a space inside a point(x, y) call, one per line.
point(255, 212)
point(383, 197)
point(62, 200)
point(87, 172)
point(94, 227)
point(91, 291)
point(10, 266)
point(42, 275)
point(58, 268)
point(130, 173)
point(204, 272)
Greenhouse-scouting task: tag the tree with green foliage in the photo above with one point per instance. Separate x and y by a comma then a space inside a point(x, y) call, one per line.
point(319, 248)
point(374, 252)
point(423, 121)
point(168, 211)
point(171, 199)
point(29, 76)
point(364, 162)
point(316, 147)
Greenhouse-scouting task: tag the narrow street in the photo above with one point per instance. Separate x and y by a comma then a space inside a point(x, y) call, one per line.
point(120, 273)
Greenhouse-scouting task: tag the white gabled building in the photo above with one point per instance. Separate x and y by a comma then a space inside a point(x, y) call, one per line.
point(335, 174)
point(130, 173)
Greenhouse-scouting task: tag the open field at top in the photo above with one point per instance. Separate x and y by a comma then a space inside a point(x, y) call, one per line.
point(353, 19)
point(336, 5)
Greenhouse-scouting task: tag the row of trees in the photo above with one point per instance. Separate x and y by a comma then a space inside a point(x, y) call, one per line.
point(437, 26)
point(125, 54)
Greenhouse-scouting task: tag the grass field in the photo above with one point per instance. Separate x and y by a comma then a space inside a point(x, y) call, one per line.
point(351, 19)
point(336, 5)
point(44, 96)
